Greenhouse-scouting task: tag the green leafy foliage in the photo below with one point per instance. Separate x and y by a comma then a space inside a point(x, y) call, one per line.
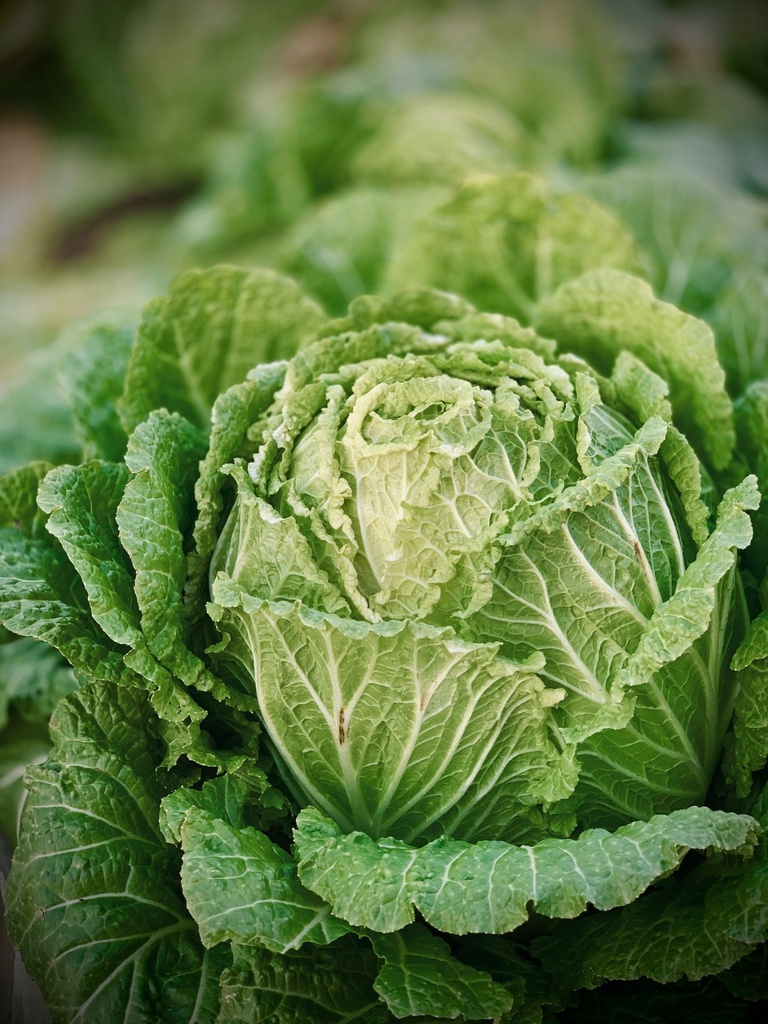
point(421, 675)
point(100, 915)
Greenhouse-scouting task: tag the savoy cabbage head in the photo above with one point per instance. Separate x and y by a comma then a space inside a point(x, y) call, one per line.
point(474, 587)
point(396, 653)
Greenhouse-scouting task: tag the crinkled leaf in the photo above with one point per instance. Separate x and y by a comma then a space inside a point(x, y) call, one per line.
point(316, 985)
point(419, 977)
point(688, 929)
point(153, 518)
point(240, 886)
point(503, 243)
point(746, 747)
point(92, 376)
point(206, 334)
point(94, 900)
point(606, 311)
point(81, 502)
point(41, 595)
point(492, 887)
point(233, 413)
point(223, 797)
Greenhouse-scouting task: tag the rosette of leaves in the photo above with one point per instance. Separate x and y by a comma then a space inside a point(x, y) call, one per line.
point(424, 615)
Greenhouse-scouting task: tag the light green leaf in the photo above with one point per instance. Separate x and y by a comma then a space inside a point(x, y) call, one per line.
point(397, 728)
point(223, 797)
point(269, 555)
point(206, 334)
point(239, 886)
point(493, 887)
point(94, 900)
point(81, 502)
point(605, 312)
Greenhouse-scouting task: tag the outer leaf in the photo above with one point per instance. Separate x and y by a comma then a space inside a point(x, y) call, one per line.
point(93, 375)
point(605, 311)
point(688, 929)
point(223, 797)
point(240, 886)
point(326, 985)
point(492, 887)
point(81, 502)
point(153, 519)
point(93, 896)
point(398, 728)
point(746, 747)
point(206, 334)
point(41, 595)
point(420, 977)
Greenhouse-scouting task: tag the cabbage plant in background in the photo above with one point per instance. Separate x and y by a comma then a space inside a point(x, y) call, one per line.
point(417, 670)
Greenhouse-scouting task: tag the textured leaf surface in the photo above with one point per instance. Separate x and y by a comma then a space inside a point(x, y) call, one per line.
point(41, 595)
point(492, 887)
point(92, 376)
point(606, 311)
point(206, 334)
point(232, 415)
point(316, 985)
point(94, 900)
point(686, 930)
point(241, 886)
point(397, 728)
point(153, 519)
point(420, 977)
